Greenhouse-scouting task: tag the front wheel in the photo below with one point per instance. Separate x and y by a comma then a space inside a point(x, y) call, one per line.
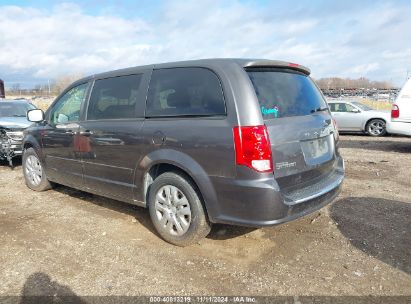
point(33, 171)
point(176, 210)
point(376, 127)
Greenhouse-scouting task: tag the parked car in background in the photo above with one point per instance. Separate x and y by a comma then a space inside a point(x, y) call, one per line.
point(353, 116)
point(13, 121)
point(400, 122)
point(243, 142)
point(2, 91)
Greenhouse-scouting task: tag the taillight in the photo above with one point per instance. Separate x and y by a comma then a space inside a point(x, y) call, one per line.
point(252, 148)
point(395, 111)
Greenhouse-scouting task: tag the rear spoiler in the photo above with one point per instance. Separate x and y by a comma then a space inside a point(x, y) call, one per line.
point(277, 64)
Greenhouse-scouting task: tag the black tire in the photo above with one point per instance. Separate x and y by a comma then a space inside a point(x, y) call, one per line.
point(40, 181)
point(376, 127)
point(198, 227)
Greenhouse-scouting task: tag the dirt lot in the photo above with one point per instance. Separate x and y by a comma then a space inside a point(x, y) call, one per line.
point(68, 242)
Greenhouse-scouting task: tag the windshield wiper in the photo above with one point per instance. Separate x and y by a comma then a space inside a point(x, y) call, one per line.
point(319, 110)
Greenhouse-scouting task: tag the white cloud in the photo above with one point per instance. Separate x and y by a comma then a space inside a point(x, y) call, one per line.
point(67, 40)
point(43, 44)
point(364, 69)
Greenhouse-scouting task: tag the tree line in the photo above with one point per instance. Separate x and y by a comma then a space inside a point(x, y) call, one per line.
point(56, 86)
point(51, 88)
point(333, 83)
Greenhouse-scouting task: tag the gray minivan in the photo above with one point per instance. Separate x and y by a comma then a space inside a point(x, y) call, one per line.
point(236, 141)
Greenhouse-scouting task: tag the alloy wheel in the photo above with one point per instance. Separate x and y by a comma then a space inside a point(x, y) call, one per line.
point(33, 170)
point(376, 127)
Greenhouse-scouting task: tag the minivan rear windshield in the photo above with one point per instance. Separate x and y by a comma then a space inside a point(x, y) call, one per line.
point(285, 93)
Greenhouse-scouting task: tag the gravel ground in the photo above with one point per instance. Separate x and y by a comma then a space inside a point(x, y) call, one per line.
point(68, 242)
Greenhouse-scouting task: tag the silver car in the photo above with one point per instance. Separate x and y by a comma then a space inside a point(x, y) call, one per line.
point(353, 116)
point(13, 121)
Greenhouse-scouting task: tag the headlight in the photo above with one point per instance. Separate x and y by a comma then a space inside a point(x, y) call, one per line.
point(15, 135)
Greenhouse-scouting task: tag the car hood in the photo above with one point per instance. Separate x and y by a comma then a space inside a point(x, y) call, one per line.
point(14, 122)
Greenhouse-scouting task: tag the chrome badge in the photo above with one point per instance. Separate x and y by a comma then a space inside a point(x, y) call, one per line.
point(283, 165)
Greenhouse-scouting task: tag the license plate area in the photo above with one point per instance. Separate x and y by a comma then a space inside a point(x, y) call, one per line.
point(317, 151)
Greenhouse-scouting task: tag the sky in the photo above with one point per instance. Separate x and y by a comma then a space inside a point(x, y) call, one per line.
point(42, 40)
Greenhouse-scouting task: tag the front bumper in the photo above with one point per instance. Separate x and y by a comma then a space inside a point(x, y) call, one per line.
point(10, 148)
point(262, 202)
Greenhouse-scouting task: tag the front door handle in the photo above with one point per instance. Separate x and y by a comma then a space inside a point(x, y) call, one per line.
point(70, 132)
point(86, 133)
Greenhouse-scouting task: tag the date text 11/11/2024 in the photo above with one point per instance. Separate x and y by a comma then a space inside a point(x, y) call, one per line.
point(202, 299)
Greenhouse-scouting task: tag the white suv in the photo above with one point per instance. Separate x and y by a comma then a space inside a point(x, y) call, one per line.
point(401, 112)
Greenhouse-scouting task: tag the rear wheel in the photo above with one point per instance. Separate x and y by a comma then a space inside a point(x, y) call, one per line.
point(176, 209)
point(376, 127)
point(33, 171)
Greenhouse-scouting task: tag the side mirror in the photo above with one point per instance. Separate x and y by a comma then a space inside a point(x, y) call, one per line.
point(35, 115)
point(355, 110)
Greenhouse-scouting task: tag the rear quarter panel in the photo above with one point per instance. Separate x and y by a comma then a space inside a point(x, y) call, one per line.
point(203, 148)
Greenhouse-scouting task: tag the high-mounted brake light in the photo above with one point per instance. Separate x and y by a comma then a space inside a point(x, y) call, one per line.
point(395, 111)
point(252, 148)
point(295, 65)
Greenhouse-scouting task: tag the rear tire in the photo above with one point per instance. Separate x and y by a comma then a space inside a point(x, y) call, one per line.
point(176, 209)
point(33, 171)
point(376, 127)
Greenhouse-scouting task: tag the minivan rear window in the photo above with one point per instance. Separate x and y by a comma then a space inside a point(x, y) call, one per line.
point(285, 93)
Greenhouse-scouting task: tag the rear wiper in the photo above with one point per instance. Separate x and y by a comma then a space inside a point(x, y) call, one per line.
point(319, 110)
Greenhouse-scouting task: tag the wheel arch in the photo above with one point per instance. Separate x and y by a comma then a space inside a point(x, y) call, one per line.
point(166, 160)
point(31, 142)
point(370, 119)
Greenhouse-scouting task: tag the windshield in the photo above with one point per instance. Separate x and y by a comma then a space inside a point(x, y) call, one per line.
point(362, 106)
point(14, 109)
point(285, 93)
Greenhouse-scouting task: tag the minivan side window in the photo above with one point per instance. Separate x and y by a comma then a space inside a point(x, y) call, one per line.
point(114, 98)
point(67, 108)
point(185, 92)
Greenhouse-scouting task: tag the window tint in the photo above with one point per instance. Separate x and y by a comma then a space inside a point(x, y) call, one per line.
point(283, 94)
point(349, 108)
point(68, 107)
point(185, 92)
point(114, 98)
point(342, 107)
point(332, 107)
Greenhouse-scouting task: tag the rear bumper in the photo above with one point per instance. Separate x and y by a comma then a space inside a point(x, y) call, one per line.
point(262, 203)
point(399, 127)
